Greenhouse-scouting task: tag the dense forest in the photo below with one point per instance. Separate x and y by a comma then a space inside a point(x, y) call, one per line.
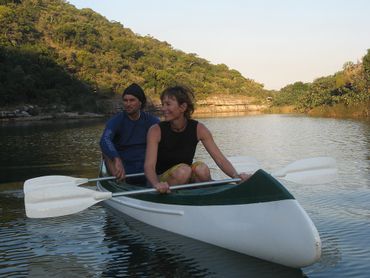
point(54, 53)
point(348, 89)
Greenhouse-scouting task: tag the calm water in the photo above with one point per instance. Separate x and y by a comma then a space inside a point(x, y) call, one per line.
point(99, 243)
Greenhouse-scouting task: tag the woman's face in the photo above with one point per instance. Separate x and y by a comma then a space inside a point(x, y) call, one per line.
point(171, 108)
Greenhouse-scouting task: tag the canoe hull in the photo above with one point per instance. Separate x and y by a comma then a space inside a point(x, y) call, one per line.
point(277, 231)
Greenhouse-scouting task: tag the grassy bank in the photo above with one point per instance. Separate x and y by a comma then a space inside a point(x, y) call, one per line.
point(287, 109)
point(358, 111)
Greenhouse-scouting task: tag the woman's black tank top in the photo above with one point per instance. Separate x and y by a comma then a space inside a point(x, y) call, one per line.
point(176, 147)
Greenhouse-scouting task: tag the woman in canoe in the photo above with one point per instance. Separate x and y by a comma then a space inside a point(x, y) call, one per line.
point(171, 145)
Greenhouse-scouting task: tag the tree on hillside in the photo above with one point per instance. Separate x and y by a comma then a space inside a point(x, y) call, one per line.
point(350, 86)
point(290, 94)
point(62, 53)
point(366, 65)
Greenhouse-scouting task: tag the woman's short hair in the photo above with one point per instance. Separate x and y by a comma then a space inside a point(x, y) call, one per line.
point(183, 95)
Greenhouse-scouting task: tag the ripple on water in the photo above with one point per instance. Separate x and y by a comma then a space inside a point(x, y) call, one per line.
point(97, 243)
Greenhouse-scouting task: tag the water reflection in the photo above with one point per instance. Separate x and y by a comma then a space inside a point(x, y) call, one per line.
point(99, 243)
point(45, 148)
point(78, 238)
point(169, 255)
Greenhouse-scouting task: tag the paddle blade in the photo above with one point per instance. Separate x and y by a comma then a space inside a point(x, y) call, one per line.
point(307, 164)
point(312, 177)
point(51, 181)
point(315, 170)
point(62, 200)
point(246, 164)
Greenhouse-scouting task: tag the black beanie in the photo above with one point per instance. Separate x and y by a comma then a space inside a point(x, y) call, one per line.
point(137, 92)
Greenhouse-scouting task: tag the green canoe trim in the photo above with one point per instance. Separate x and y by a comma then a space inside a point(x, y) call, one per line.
point(261, 187)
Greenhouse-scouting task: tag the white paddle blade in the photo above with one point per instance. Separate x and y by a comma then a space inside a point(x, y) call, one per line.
point(312, 177)
point(51, 181)
point(315, 163)
point(246, 164)
point(62, 200)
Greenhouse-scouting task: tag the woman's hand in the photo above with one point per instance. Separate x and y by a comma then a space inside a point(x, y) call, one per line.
point(162, 187)
point(244, 176)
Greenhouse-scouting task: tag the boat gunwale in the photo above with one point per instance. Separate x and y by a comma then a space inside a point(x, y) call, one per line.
point(261, 187)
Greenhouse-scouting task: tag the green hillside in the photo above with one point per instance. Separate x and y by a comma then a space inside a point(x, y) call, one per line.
point(345, 93)
point(52, 52)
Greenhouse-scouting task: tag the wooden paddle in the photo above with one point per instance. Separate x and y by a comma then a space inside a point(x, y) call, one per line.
point(52, 196)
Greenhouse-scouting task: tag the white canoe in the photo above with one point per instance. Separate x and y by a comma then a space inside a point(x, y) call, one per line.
point(259, 218)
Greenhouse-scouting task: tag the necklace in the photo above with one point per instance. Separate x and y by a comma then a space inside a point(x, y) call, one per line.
point(180, 129)
point(135, 117)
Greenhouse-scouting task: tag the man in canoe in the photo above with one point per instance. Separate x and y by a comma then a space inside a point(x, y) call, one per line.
point(171, 145)
point(123, 142)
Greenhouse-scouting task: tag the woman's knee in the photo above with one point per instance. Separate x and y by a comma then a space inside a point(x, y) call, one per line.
point(183, 172)
point(201, 170)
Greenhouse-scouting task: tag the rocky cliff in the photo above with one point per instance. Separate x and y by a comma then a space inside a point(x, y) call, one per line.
point(110, 106)
point(213, 104)
point(228, 103)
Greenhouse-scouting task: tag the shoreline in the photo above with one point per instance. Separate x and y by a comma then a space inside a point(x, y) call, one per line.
point(325, 112)
point(54, 116)
point(94, 116)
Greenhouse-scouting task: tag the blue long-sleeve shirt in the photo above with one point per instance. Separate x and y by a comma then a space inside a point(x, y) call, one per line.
point(126, 139)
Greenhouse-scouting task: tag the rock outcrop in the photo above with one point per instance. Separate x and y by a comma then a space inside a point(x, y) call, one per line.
point(109, 106)
point(212, 104)
point(227, 104)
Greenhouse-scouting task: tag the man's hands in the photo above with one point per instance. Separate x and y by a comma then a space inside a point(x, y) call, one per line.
point(115, 167)
point(118, 168)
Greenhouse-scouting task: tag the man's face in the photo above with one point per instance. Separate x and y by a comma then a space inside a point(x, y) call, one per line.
point(131, 104)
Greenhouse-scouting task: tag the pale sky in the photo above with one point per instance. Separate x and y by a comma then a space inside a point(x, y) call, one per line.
point(274, 42)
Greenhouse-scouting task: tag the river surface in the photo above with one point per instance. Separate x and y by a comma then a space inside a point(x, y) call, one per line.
point(99, 243)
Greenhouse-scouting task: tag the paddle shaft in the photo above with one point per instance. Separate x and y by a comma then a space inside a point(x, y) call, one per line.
point(113, 177)
point(182, 186)
point(52, 196)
